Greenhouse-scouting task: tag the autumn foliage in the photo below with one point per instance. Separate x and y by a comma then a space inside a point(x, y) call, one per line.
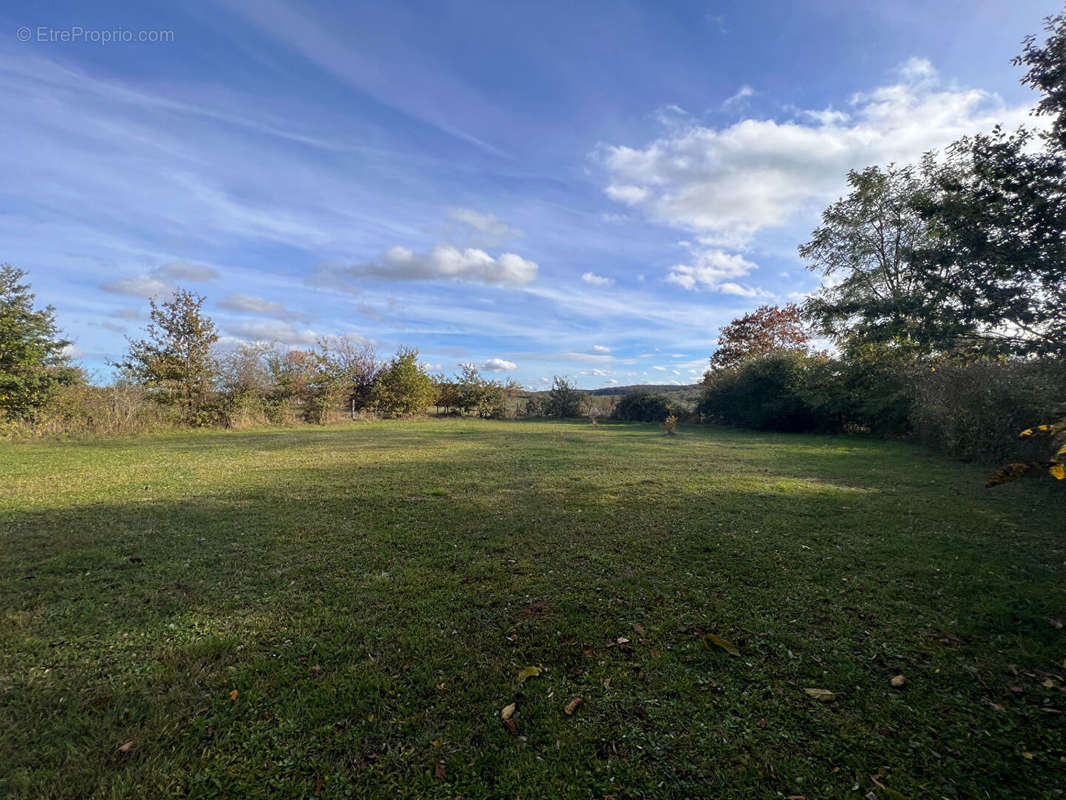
point(765, 330)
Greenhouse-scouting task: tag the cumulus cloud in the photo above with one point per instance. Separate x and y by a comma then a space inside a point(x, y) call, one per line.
point(160, 280)
point(596, 280)
point(274, 331)
point(599, 348)
point(257, 305)
point(728, 183)
point(443, 262)
point(498, 365)
point(713, 269)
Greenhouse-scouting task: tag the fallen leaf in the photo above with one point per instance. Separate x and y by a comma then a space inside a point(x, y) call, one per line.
point(529, 672)
point(233, 694)
point(571, 707)
point(725, 644)
point(126, 747)
point(507, 711)
point(821, 695)
point(436, 742)
point(621, 640)
point(318, 787)
point(1027, 756)
point(606, 683)
point(509, 724)
point(440, 772)
point(639, 629)
point(898, 681)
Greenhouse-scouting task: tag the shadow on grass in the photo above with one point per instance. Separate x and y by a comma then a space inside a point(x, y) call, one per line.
point(372, 615)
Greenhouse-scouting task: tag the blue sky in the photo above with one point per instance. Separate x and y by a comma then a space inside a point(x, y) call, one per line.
point(585, 189)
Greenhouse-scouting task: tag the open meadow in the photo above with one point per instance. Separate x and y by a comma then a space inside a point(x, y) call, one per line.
point(345, 612)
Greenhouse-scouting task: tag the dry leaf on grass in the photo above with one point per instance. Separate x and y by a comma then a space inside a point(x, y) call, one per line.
point(639, 629)
point(821, 695)
point(529, 672)
point(233, 694)
point(571, 707)
point(725, 644)
point(126, 747)
point(507, 711)
point(440, 772)
point(898, 681)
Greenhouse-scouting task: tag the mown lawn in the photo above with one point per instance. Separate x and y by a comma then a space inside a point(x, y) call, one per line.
point(343, 612)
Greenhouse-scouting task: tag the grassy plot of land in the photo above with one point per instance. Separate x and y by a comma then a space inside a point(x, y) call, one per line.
point(344, 612)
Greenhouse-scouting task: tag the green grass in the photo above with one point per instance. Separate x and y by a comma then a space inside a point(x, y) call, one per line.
point(371, 591)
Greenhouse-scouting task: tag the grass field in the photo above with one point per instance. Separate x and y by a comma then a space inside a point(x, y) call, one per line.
point(343, 612)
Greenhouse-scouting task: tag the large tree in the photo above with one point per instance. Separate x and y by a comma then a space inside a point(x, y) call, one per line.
point(765, 330)
point(174, 360)
point(33, 364)
point(402, 387)
point(873, 290)
point(996, 263)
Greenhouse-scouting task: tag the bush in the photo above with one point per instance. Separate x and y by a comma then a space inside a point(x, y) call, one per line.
point(764, 393)
point(975, 411)
point(869, 389)
point(402, 387)
point(643, 407)
point(563, 401)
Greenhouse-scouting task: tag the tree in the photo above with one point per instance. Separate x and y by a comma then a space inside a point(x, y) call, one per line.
point(402, 387)
point(764, 330)
point(305, 378)
point(996, 264)
point(563, 400)
point(643, 406)
point(32, 361)
point(873, 289)
point(1047, 73)
point(355, 365)
point(174, 361)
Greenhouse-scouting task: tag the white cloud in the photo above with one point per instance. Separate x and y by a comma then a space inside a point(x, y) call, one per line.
point(443, 262)
point(712, 269)
point(257, 305)
point(742, 94)
point(491, 231)
point(743, 291)
point(731, 182)
point(274, 331)
point(599, 348)
point(160, 280)
point(498, 365)
point(596, 280)
point(137, 286)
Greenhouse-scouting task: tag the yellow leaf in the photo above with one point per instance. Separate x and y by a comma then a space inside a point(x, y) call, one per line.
point(898, 681)
point(821, 695)
point(529, 672)
point(507, 712)
point(1058, 471)
point(725, 644)
point(233, 695)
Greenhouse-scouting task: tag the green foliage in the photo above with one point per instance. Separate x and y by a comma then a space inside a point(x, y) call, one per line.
point(470, 393)
point(33, 366)
point(764, 393)
point(996, 264)
point(175, 361)
point(563, 401)
point(402, 387)
point(974, 410)
point(643, 407)
point(867, 388)
point(304, 379)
